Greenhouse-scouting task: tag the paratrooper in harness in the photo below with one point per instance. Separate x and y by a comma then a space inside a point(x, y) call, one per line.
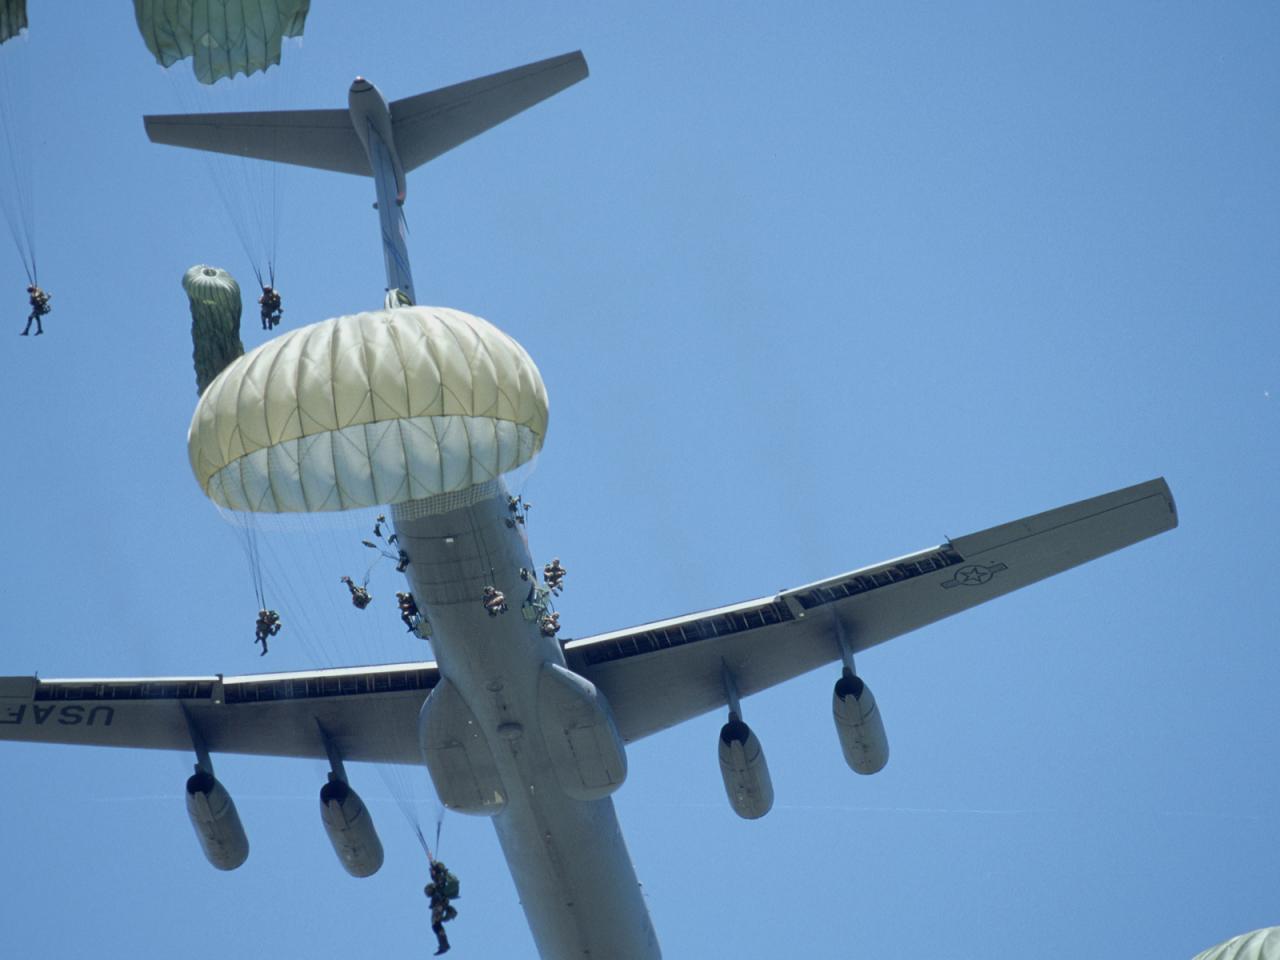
point(359, 595)
point(553, 576)
point(39, 307)
point(409, 612)
point(493, 600)
point(518, 511)
point(268, 625)
point(271, 307)
point(442, 889)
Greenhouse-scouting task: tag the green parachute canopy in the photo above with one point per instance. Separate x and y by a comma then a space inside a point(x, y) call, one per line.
point(367, 410)
point(223, 38)
point(1259, 945)
point(215, 321)
point(13, 18)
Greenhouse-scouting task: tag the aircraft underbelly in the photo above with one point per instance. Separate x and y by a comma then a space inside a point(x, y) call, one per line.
point(575, 878)
point(505, 683)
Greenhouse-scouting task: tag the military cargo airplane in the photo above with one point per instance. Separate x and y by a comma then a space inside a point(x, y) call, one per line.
point(512, 723)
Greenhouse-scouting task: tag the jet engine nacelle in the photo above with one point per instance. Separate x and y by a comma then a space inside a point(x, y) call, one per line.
point(746, 775)
point(859, 726)
point(350, 828)
point(217, 825)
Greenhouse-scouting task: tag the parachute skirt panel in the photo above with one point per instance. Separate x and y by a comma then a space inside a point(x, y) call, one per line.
point(13, 18)
point(371, 464)
point(377, 408)
point(223, 38)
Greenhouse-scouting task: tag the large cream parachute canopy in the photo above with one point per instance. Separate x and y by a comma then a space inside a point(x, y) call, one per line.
point(1259, 945)
point(376, 408)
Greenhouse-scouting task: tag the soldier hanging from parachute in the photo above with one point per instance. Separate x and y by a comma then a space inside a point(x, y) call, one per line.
point(409, 612)
point(268, 626)
point(271, 307)
point(360, 597)
point(17, 187)
point(222, 48)
point(384, 547)
point(441, 891)
point(39, 308)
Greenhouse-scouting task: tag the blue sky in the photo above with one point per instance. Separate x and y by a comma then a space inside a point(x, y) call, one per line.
point(809, 290)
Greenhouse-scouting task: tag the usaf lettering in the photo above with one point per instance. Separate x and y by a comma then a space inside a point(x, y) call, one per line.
point(69, 715)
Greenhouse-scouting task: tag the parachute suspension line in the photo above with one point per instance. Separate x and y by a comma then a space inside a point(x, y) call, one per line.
point(287, 82)
point(524, 474)
point(241, 57)
point(312, 627)
point(241, 183)
point(427, 848)
point(18, 194)
point(269, 572)
point(423, 840)
point(250, 543)
point(307, 553)
point(261, 210)
point(300, 557)
point(273, 225)
point(401, 785)
point(482, 545)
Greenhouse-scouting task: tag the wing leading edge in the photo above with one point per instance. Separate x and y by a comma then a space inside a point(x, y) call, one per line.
point(654, 676)
point(660, 674)
point(370, 713)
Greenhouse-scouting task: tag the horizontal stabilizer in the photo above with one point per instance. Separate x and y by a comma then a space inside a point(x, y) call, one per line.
point(423, 126)
point(309, 138)
point(432, 123)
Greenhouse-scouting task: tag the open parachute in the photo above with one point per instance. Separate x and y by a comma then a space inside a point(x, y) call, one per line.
point(1259, 945)
point(223, 38)
point(215, 321)
point(17, 185)
point(13, 18)
point(377, 408)
point(231, 46)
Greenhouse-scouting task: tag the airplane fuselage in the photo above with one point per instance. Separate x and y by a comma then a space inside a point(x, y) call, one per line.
point(371, 118)
point(567, 856)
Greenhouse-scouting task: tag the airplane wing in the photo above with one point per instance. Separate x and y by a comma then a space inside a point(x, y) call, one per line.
point(432, 123)
point(660, 674)
point(309, 138)
point(654, 676)
point(369, 713)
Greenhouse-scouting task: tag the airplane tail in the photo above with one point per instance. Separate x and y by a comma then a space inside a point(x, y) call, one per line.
point(424, 126)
